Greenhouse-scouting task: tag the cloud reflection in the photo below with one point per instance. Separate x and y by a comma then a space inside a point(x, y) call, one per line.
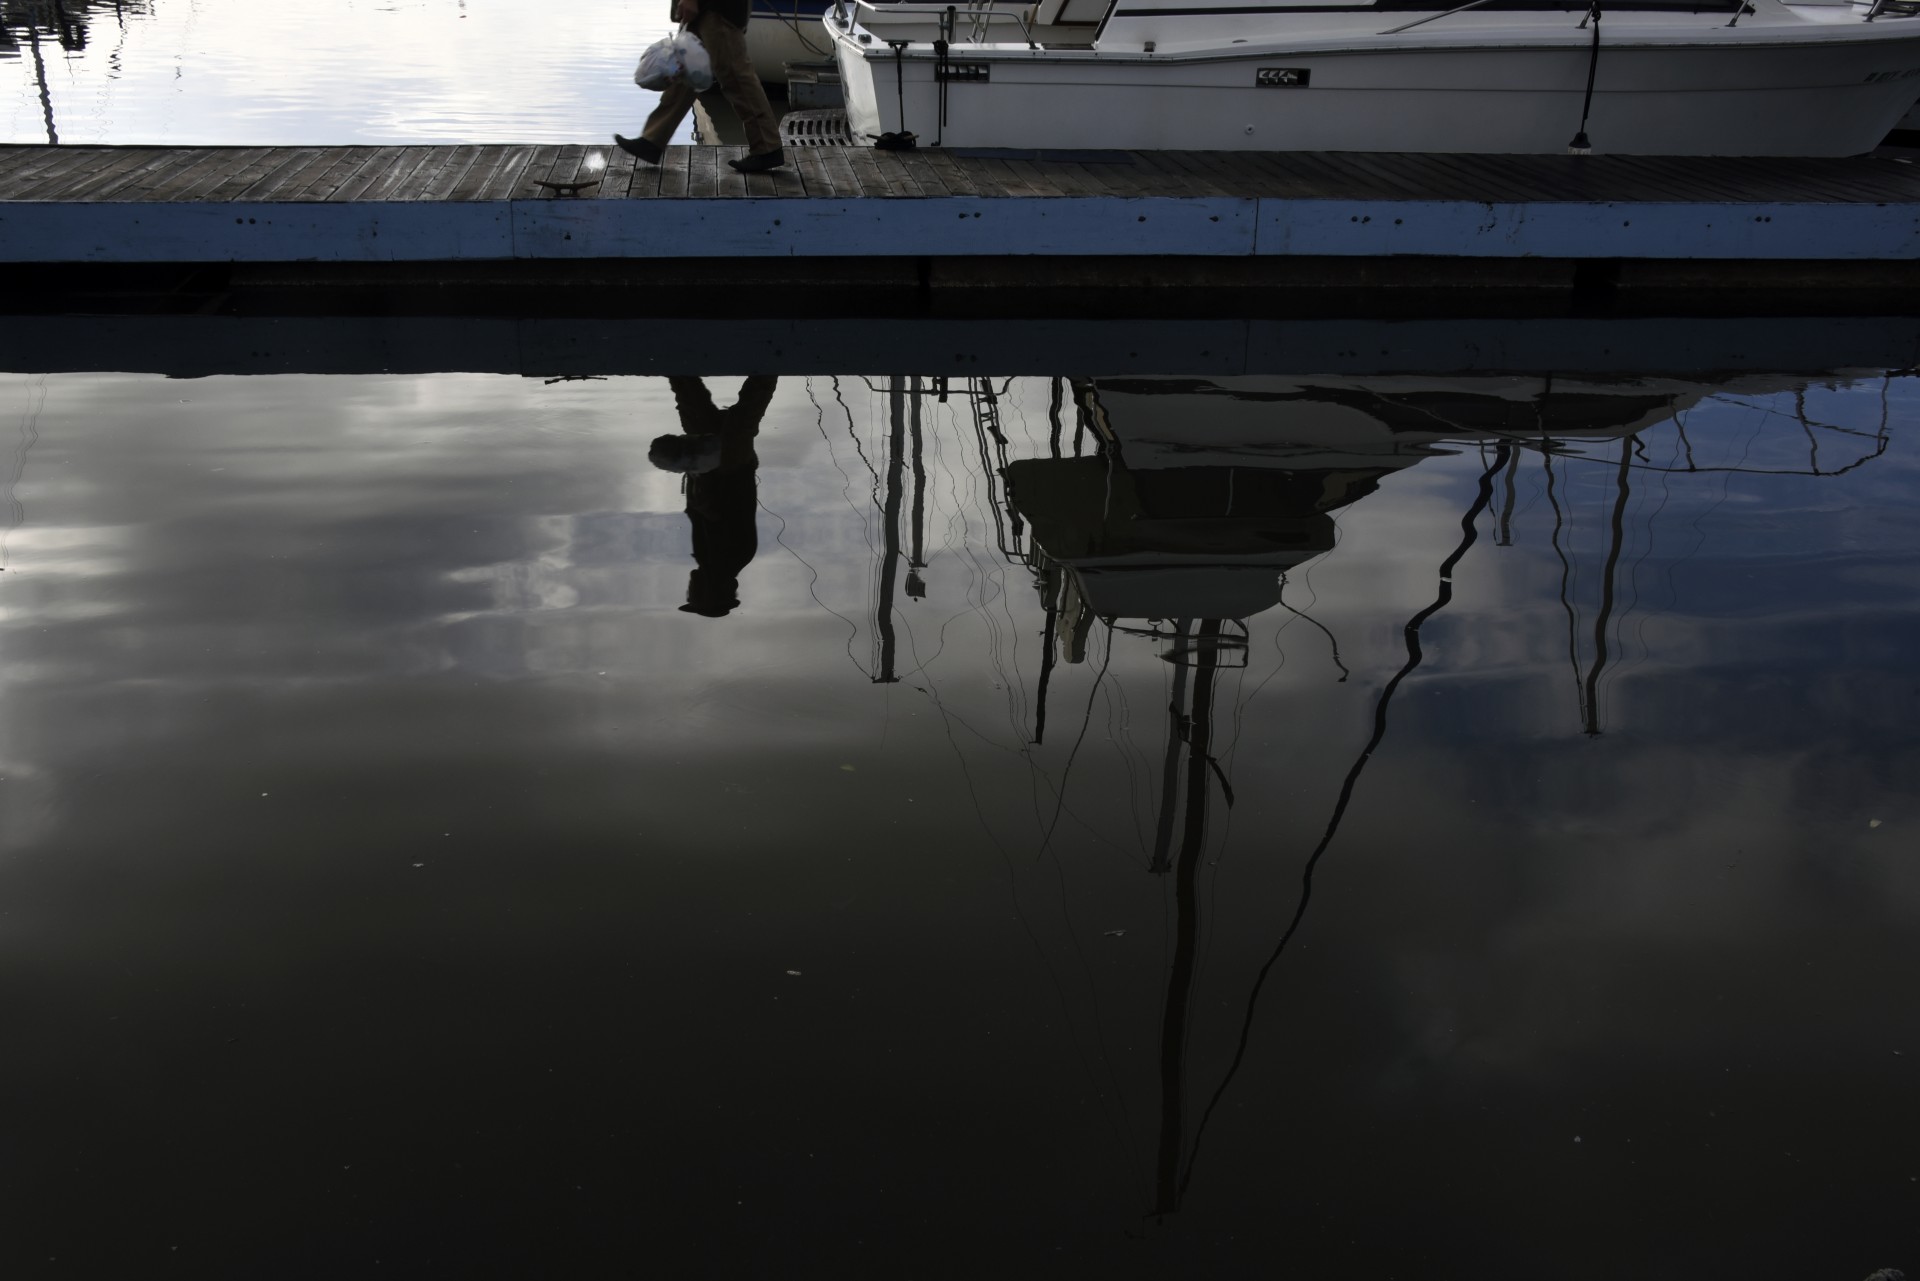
point(277, 645)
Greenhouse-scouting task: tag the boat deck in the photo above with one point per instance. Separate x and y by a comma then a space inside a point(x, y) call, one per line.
point(482, 202)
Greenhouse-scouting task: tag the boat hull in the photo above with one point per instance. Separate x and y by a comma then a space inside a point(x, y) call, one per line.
point(783, 31)
point(1760, 99)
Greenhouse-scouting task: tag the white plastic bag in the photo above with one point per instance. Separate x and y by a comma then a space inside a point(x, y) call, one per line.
point(693, 56)
point(668, 60)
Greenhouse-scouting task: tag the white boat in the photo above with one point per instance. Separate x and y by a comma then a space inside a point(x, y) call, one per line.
point(782, 33)
point(1651, 77)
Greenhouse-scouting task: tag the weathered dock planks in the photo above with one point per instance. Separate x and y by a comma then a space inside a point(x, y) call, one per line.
point(481, 203)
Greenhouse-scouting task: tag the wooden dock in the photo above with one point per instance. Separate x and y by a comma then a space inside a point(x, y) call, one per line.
point(481, 204)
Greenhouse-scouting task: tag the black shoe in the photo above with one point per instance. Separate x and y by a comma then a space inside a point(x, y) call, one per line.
point(647, 151)
point(760, 163)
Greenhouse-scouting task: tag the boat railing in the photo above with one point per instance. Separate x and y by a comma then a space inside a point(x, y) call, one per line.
point(1434, 17)
point(946, 17)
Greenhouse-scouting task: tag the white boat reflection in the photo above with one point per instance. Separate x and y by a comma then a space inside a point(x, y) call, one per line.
point(1176, 512)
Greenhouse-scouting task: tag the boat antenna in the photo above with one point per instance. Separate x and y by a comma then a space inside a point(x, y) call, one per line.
point(1581, 146)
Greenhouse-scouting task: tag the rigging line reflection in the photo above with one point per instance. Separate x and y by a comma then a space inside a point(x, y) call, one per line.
point(991, 589)
point(1609, 573)
point(1122, 1131)
point(1333, 641)
point(1174, 1018)
point(1511, 496)
point(1645, 616)
point(813, 584)
point(1567, 596)
point(923, 669)
point(1415, 655)
point(1066, 770)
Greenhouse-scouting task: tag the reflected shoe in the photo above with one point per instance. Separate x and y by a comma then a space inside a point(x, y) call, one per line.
point(760, 163)
point(647, 151)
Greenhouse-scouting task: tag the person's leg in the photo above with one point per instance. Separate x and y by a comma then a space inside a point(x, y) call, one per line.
point(733, 70)
point(676, 100)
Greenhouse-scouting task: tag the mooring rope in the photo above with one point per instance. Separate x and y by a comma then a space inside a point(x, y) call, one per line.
point(1580, 146)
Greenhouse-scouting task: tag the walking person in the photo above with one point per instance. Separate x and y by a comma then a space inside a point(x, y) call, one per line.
point(722, 28)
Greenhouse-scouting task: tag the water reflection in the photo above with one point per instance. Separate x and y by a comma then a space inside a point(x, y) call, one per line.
point(1197, 499)
point(715, 452)
point(361, 747)
point(69, 22)
point(220, 72)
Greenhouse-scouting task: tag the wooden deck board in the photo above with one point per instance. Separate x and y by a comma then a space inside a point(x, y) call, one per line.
point(299, 173)
point(485, 164)
point(245, 175)
point(156, 168)
point(45, 162)
point(837, 163)
point(921, 170)
point(889, 175)
point(866, 171)
point(675, 163)
point(196, 180)
point(622, 179)
point(448, 173)
point(55, 171)
point(1159, 176)
point(807, 163)
point(728, 181)
point(12, 160)
point(703, 173)
point(152, 183)
point(82, 182)
point(507, 171)
point(952, 175)
point(344, 164)
point(372, 184)
point(296, 175)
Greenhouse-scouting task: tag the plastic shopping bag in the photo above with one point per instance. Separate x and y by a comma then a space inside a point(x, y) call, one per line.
point(693, 57)
point(670, 59)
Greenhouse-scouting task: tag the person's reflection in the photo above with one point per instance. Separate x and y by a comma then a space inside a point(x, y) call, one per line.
point(716, 455)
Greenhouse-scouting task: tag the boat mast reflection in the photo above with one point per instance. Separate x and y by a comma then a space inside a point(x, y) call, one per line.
point(66, 21)
point(1185, 519)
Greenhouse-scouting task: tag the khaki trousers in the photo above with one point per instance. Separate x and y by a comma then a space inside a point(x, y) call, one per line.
point(727, 49)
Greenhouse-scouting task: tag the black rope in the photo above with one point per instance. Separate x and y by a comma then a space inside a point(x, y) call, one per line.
point(1580, 146)
point(942, 49)
point(900, 78)
point(897, 139)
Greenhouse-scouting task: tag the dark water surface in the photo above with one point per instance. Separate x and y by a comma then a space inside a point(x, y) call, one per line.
point(1352, 825)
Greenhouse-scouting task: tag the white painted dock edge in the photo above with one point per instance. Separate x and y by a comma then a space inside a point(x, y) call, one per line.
point(953, 226)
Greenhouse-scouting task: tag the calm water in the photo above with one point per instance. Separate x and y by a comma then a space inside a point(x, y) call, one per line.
point(237, 72)
point(1366, 826)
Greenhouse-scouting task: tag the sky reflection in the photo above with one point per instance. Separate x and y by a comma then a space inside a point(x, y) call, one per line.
point(356, 750)
point(226, 72)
